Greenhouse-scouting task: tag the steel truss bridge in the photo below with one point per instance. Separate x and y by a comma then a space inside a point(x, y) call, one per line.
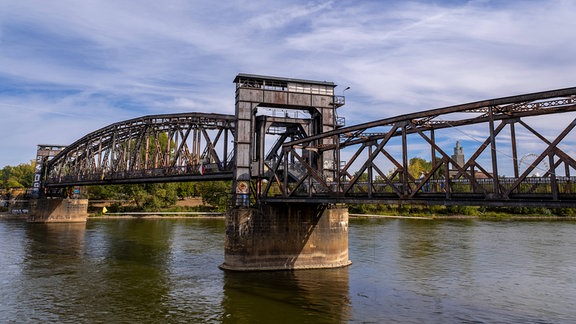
point(365, 163)
point(159, 148)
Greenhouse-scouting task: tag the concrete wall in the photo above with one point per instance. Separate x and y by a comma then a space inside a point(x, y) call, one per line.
point(58, 210)
point(286, 237)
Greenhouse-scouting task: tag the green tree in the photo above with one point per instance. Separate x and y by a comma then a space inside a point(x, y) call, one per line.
point(186, 189)
point(215, 193)
point(417, 165)
point(104, 192)
point(150, 196)
point(20, 176)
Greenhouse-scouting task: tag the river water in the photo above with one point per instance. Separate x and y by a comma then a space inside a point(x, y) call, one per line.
point(406, 271)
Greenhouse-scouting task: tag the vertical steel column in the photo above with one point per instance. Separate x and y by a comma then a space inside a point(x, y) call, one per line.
point(496, 184)
point(370, 172)
point(167, 154)
point(198, 144)
point(193, 149)
point(567, 174)
point(285, 171)
point(514, 150)
point(113, 149)
point(446, 181)
point(225, 154)
point(552, 171)
point(146, 152)
point(156, 149)
point(177, 157)
point(434, 186)
point(338, 170)
point(244, 148)
point(405, 161)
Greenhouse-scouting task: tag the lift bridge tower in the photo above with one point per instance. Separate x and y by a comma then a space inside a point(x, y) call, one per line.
point(271, 111)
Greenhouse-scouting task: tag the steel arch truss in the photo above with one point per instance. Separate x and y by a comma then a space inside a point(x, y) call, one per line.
point(158, 148)
point(378, 157)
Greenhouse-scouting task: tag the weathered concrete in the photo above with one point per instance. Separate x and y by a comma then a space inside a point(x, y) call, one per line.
point(286, 237)
point(58, 210)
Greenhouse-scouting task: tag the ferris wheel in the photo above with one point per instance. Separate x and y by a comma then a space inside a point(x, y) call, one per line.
point(529, 159)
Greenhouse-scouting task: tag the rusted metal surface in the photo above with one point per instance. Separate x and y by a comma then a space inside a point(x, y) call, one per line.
point(313, 159)
point(256, 97)
point(158, 148)
point(377, 170)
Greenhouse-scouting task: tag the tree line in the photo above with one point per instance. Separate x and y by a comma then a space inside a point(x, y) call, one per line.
point(160, 196)
point(14, 180)
point(20, 176)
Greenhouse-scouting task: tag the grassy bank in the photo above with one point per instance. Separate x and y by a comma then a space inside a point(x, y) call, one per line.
point(463, 212)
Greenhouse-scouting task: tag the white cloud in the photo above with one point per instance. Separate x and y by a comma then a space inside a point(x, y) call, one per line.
point(67, 68)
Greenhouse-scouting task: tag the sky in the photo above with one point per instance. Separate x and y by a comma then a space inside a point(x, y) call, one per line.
point(70, 67)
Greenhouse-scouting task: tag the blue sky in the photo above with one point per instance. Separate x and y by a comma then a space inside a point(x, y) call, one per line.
point(70, 67)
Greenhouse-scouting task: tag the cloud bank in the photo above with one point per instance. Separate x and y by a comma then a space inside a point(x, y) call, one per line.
point(68, 67)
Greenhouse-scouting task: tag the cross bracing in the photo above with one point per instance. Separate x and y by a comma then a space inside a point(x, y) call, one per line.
point(157, 148)
point(365, 163)
point(378, 153)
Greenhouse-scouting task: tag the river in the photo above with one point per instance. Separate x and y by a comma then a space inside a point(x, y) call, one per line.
point(403, 271)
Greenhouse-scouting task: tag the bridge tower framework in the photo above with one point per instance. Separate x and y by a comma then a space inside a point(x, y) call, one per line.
point(263, 236)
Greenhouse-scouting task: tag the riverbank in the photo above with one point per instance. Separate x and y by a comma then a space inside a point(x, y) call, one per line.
point(475, 217)
point(149, 215)
point(7, 215)
point(177, 215)
point(153, 215)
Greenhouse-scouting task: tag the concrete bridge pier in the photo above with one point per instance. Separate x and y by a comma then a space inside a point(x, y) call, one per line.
point(286, 237)
point(58, 210)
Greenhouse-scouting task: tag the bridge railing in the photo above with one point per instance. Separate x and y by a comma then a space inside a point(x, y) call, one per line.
point(200, 172)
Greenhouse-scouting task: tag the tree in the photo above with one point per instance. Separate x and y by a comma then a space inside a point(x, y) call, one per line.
point(159, 195)
point(215, 193)
point(417, 165)
point(186, 189)
point(20, 176)
point(103, 192)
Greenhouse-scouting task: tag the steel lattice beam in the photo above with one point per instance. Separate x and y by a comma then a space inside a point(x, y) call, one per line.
point(157, 148)
point(195, 147)
point(448, 183)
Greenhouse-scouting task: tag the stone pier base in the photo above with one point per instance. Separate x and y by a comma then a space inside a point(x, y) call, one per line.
point(286, 237)
point(58, 210)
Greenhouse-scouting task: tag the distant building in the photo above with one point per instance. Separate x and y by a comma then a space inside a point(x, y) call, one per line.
point(458, 155)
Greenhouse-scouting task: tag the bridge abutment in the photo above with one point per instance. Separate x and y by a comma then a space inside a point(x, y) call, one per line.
point(286, 237)
point(58, 210)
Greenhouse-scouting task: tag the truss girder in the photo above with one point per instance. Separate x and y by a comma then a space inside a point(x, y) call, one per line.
point(156, 148)
point(385, 145)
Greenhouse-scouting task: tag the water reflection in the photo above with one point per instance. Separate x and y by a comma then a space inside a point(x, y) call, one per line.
point(306, 296)
point(52, 255)
point(404, 271)
point(431, 249)
point(134, 272)
point(55, 239)
point(119, 269)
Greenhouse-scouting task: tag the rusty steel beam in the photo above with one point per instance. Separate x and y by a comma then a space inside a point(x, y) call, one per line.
point(447, 182)
point(156, 148)
point(533, 109)
point(194, 147)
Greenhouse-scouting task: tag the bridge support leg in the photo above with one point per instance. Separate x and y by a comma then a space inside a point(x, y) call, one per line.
point(58, 210)
point(286, 237)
